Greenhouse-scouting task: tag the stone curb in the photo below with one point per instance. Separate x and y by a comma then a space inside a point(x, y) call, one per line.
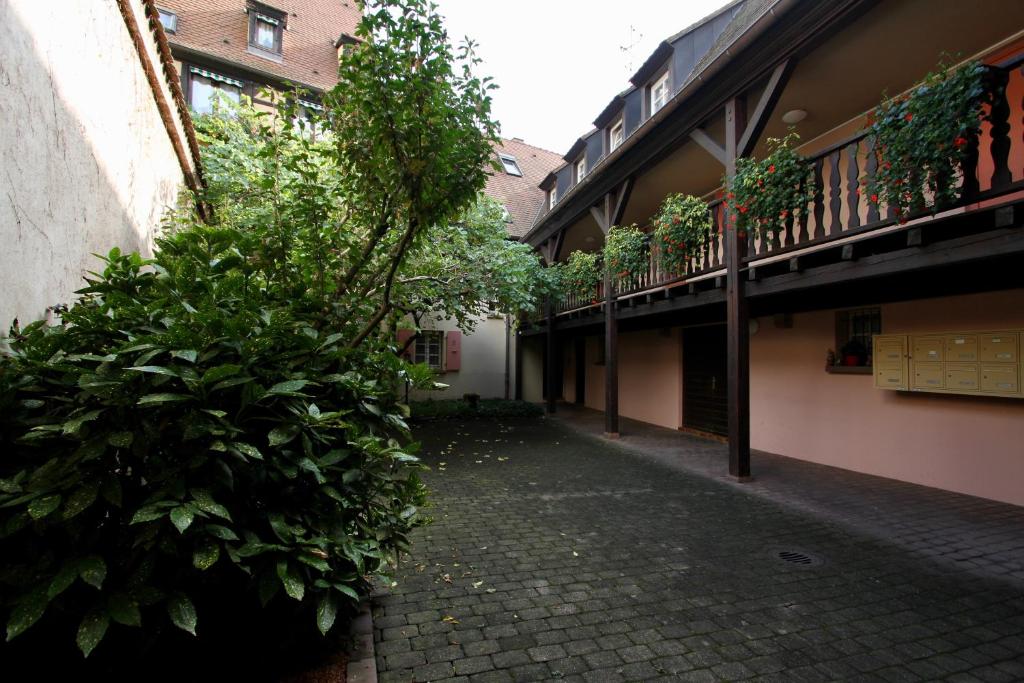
point(362, 664)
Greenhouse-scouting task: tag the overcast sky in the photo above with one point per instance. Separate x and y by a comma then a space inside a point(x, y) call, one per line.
point(559, 62)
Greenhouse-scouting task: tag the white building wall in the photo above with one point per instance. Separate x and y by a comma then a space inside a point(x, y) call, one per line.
point(86, 162)
point(483, 365)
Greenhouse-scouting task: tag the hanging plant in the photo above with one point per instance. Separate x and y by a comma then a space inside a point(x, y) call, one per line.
point(625, 251)
point(582, 274)
point(922, 139)
point(765, 194)
point(682, 227)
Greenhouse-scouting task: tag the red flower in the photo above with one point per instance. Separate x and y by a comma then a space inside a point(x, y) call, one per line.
point(960, 142)
point(908, 117)
point(874, 198)
point(784, 213)
point(743, 209)
point(771, 169)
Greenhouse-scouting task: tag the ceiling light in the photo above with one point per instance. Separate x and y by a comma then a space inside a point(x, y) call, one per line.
point(794, 116)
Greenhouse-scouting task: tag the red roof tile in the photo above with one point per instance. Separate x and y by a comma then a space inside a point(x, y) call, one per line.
point(521, 194)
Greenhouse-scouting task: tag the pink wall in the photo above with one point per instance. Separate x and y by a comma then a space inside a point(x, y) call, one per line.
point(650, 377)
point(968, 444)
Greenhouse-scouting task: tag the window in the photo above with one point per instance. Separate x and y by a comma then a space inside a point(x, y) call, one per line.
point(169, 20)
point(509, 162)
point(854, 332)
point(552, 197)
point(428, 348)
point(204, 85)
point(581, 169)
point(305, 115)
point(266, 30)
point(616, 135)
point(659, 93)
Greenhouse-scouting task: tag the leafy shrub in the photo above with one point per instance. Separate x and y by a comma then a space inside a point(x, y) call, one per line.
point(922, 139)
point(682, 227)
point(625, 251)
point(581, 274)
point(180, 433)
point(765, 193)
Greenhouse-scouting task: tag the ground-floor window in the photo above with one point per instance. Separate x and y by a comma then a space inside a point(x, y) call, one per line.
point(204, 84)
point(854, 332)
point(428, 348)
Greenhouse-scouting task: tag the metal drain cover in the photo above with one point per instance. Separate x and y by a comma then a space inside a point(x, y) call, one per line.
point(796, 557)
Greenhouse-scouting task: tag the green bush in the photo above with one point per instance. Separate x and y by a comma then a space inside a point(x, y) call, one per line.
point(625, 251)
point(682, 227)
point(181, 436)
point(581, 274)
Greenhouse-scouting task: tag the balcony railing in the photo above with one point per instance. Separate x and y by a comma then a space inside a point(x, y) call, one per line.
point(837, 210)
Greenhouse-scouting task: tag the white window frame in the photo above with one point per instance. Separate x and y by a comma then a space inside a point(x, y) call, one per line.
point(422, 348)
point(662, 84)
point(552, 197)
point(508, 160)
point(168, 19)
point(581, 169)
point(619, 126)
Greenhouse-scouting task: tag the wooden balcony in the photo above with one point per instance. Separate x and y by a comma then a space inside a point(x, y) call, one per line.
point(839, 214)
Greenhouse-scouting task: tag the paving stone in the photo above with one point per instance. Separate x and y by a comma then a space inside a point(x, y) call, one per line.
point(674, 577)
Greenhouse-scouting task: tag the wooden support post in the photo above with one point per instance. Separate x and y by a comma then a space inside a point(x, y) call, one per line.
point(737, 317)
point(552, 364)
point(849, 252)
point(794, 264)
point(519, 366)
point(611, 362)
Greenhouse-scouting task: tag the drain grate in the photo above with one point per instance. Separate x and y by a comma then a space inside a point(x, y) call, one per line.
point(798, 558)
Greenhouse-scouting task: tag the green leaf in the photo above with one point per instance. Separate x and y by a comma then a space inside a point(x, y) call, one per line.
point(26, 613)
point(121, 439)
point(182, 517)
point(291, 579)
point(187, 355)
point(63, 579)
point(228, 383)
point(289, 388)
point(91, 630)
point(93, 570)
point(247, 449)
point(206, 554)
point(156, 370)
point(111, 490)
point(150, 399)
point(220, 372)
point(73, 426)
point(221, 532)
point(147, 514)
point(182, 612)
point(41, 507)
point(347, 590)
point(282, 435)
point(81, 499)
point(326, 612)
point(124, 610)
point(204, 501)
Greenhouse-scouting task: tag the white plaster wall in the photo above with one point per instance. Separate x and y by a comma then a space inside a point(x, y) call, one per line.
point(483, 365)
point(85, 160)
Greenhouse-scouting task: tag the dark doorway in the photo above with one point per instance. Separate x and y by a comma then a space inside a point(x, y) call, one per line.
point(581, 370)
point(705, 396)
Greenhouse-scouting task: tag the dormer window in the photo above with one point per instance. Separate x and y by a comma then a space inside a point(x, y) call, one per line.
point(581, 169)
point(510, 164)
point(616, 134)
point(552, 197)
point(169, 20)
point(659, 93)
point(266, 31)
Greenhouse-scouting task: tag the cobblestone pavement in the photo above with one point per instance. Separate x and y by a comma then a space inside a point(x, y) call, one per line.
point(556, 556)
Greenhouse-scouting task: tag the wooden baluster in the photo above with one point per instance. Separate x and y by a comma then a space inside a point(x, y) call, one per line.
point(776, 244)
point(805, 210)
point(1000, 117)
point(835, 199)
point(869, 171)
point(819, 199)
point(852, 185)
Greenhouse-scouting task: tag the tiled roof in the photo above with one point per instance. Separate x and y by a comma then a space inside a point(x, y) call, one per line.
point(521, 194)
point(220, 28)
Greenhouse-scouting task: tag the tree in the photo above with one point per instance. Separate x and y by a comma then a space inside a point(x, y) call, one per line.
point(215, 428)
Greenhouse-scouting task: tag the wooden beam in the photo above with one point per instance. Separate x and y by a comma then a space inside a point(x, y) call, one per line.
point(559, 241)
point(708, 144)
point(769, 98)
point(599, 218)
point(622, 196)
point(737, 315)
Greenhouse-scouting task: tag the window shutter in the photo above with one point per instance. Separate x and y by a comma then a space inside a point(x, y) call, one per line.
point(403, 337)
point(453, 350)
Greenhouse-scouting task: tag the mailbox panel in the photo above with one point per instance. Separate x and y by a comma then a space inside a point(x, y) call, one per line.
point(999, 347)
point(961, 347)
point(890, 378)
point(889, 352)
point(929, 349)
point(928, 376)
point(1000, 378)
point(962, 376)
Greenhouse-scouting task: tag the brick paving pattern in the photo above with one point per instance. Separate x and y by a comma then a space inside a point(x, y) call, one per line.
point(558, 557)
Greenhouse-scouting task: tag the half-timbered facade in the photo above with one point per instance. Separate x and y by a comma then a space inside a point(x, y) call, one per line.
point(746, 343)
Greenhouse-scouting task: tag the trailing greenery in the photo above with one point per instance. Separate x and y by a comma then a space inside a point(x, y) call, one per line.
point(921, 139)
point(581, 274)
point(217, 428)
point(488, 407)
point(682, 227)
point(625, 251)
point(765, 193)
